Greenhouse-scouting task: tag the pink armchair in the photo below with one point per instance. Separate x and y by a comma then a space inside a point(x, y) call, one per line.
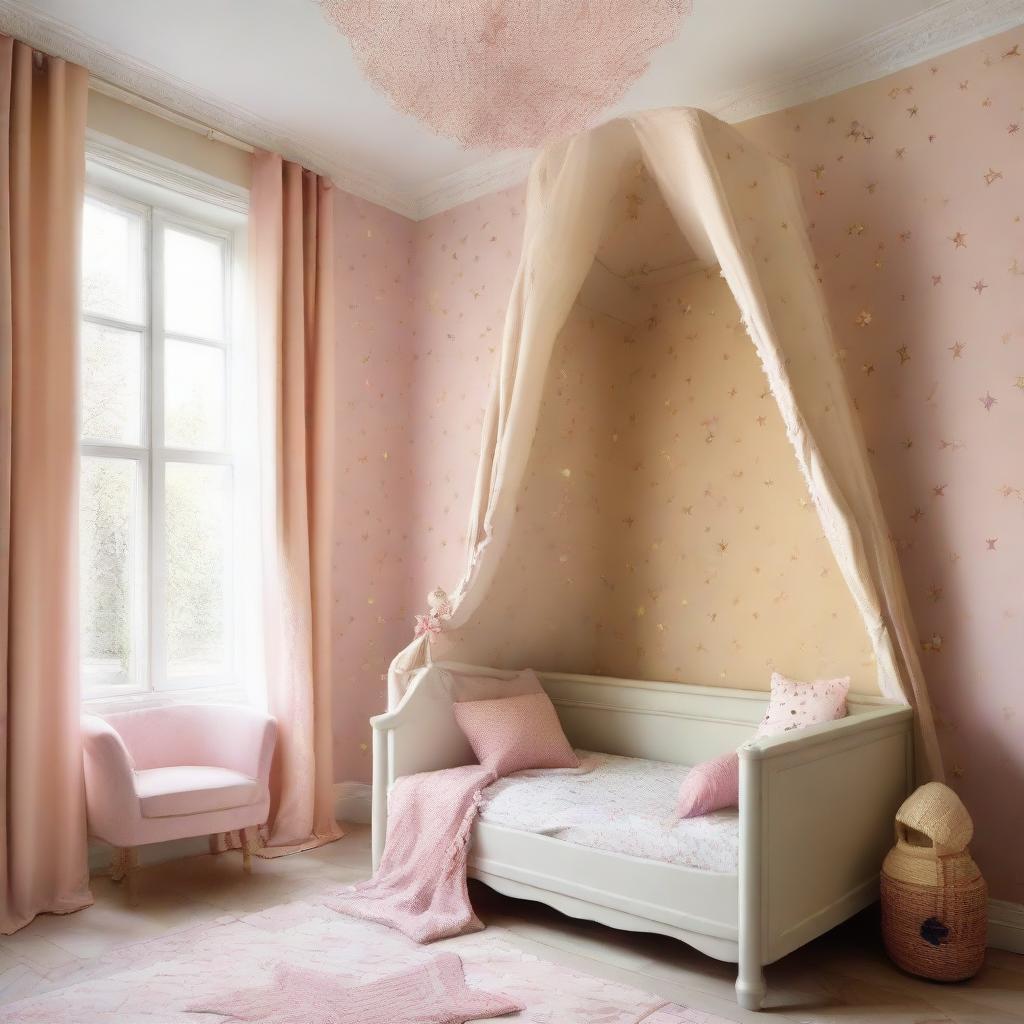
point(172, 772)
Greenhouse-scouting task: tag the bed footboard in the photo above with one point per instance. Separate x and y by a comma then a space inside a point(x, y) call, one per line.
point(816, 818)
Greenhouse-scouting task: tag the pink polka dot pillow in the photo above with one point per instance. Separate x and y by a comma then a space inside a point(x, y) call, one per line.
point(796, 705)
point(511, 734)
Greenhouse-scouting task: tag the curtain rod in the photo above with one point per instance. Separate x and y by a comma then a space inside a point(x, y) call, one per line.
point(116, 92)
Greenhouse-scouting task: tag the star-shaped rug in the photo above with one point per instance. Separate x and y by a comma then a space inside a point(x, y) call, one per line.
point(432, 993)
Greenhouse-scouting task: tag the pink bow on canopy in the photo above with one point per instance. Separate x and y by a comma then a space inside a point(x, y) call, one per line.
point(428, 625)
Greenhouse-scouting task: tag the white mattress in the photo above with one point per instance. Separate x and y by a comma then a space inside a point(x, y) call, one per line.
point(620, 804)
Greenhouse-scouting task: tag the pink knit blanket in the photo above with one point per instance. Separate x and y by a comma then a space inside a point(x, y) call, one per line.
point(420, 886)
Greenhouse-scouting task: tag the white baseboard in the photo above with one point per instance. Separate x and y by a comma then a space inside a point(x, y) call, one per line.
point(352, 802)
point(1006, 925)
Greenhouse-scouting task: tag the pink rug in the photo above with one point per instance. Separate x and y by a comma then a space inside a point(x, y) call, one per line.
point(155, 982)
point(432, 993)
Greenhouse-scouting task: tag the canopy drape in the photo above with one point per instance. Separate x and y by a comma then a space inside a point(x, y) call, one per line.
point(737, 207)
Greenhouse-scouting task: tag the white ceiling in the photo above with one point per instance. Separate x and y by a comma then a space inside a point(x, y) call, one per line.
point(275, 72)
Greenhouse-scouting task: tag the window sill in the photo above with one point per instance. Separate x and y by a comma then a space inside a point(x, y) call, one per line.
point(109, 704)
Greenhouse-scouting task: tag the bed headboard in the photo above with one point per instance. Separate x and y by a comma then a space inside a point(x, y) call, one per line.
point(673, 722)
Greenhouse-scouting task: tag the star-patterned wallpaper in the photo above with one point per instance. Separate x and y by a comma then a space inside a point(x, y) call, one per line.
point(913, 190)
point(663, 529)
point(374, 531)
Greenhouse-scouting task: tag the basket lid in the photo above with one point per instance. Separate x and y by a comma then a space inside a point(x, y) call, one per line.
point(935, 813)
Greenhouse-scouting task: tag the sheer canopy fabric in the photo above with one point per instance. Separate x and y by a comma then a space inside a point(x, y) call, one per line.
point(737, 207)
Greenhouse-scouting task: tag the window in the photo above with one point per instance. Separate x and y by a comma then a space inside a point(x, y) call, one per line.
point(160, 460)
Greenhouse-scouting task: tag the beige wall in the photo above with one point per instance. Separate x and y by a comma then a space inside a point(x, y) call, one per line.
point(156, 135)
point(663, 530)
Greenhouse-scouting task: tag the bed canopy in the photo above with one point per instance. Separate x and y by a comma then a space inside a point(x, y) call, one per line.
point(734, 214)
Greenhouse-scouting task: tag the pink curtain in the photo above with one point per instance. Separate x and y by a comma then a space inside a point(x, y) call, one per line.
point(43, 858)
point(292, 249)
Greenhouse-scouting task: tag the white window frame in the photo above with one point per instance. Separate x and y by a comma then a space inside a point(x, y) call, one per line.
point(166, 197)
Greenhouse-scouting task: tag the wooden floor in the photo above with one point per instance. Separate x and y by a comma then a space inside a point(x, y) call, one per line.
point(843, 977)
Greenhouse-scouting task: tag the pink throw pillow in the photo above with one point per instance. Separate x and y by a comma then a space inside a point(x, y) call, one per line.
point(796, 705)
point(511, 734)
point(710, 786)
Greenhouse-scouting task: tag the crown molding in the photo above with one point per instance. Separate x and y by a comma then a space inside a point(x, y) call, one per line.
point(62, 40)
point(493, 174)
point(946, 26)
point(939, 29)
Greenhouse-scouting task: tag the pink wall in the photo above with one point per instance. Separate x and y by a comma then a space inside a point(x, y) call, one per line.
point(913, 185)
point(374, 282)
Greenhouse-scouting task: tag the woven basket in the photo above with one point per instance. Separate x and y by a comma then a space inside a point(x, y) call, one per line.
point(934, 900)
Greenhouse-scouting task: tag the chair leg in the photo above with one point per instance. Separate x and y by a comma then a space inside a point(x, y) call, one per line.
point(132, 880)
point(123, 869)
point(117, 864)
point(246, 844)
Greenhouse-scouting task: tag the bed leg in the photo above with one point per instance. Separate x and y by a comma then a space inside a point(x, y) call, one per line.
point(379, 799)
point(750, 987)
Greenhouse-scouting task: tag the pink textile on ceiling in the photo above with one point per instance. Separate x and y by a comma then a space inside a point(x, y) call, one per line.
point(430, 993)
point(500, 74)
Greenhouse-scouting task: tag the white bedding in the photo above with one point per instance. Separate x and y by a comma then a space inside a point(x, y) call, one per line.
point(620, 804)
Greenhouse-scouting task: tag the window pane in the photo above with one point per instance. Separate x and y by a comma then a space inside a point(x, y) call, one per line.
point(194, 395)
point(111, 385)
point(108, 537)
point(193, 284)
point(112, 262)
point(197, 504)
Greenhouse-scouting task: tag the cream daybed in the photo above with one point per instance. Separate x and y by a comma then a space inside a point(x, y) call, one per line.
point(815, 819)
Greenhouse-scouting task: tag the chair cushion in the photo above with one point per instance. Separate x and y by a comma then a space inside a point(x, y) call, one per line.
point(194, 789)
